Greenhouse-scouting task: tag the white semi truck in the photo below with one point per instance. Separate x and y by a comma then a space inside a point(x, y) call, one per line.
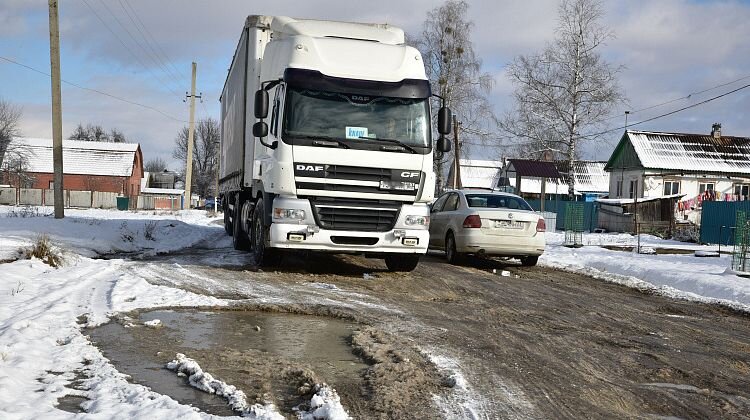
point(343, 162)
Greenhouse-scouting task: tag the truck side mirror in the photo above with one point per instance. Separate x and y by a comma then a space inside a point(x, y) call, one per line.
point(444, 120)
point(261, 105)
point(260, 129)
point(443, 144)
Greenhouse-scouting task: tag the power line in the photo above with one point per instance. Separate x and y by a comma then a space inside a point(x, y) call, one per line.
point(668, 113)
point(128, 48)
point(95, 90)
point(160, 62)
point(688, 96)
point(153, 39)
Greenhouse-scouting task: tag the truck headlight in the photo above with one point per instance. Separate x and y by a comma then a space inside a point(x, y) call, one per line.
point(417, 221)
point(288, 214)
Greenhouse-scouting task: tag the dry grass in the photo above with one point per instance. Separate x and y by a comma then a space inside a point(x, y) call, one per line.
point(43, 250)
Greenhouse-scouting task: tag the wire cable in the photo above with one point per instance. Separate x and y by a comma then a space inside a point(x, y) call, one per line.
point(129, 49)
point(95, 90)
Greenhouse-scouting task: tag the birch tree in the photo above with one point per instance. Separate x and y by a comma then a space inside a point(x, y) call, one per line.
point(455, 72)
point(565, 94)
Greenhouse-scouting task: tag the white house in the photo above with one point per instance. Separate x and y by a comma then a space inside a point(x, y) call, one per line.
point(700, 166)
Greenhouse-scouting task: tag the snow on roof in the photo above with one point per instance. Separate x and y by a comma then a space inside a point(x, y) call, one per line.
point(476, 173)
point(167, 191)
point(589, 176)
point(691, 152)
point(534, 186)
point(81, 157)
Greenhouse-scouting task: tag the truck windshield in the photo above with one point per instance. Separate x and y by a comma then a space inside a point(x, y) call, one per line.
point(355, 119)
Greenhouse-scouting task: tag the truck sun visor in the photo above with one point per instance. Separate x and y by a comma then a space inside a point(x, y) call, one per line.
point(315, 80)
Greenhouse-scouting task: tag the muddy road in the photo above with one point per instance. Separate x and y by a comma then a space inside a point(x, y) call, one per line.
point(468, 342)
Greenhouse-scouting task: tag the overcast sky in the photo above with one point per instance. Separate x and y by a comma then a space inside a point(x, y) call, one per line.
point(670, 48)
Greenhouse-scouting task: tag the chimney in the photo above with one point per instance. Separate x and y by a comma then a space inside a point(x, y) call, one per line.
point(716, 131)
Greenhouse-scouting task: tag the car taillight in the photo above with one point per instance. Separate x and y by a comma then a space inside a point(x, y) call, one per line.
point(541, 226)
point(473, 221)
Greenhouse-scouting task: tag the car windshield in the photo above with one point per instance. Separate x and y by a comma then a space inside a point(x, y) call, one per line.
point(497, 201)
point(353, 118)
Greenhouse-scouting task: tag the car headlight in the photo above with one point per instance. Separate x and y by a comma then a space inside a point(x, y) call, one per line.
point(417, 221)
point(288, 214)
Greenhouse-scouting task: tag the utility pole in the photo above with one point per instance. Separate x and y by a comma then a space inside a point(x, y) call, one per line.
point(456, 155)
point(57, 152)
point(191, 134)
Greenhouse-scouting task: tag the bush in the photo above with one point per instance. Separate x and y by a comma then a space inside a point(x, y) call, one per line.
point(43, 250)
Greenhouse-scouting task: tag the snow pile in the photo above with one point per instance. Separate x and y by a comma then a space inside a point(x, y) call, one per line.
point(324, 405)
point(95, 231)
point(681, 276)
point(205, 382)
point(153, 324)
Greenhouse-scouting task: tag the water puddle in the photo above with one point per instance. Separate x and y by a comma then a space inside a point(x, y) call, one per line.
point(263, 354)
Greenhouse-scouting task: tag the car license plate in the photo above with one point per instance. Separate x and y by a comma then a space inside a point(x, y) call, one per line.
point(508, 224)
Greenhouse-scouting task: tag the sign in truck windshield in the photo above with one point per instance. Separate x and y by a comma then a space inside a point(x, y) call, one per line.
point(317, 114)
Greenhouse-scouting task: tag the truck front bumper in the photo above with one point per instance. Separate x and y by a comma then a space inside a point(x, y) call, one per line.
point(294, 236)
point(306, 234)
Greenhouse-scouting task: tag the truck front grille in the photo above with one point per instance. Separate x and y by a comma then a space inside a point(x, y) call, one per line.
point(355, 214)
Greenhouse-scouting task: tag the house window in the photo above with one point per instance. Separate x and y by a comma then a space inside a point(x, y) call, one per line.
point(703, 187)
point(633, 188)
point(618, 189)
point(52, 185)
point(671, 187)
point(741, 191)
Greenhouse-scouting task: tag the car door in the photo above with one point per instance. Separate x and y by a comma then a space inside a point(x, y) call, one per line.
point(437, 227)
point(449, 214)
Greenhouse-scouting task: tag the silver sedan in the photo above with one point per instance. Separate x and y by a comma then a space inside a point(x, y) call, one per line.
point(486, 223)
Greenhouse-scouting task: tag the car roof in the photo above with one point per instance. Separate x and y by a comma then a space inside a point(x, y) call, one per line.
point(465, 191)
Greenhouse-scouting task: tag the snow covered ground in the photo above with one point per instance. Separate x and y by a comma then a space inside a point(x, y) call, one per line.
point(682, 276)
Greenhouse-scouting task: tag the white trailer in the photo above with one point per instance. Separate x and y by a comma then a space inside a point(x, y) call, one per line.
point(343, 163)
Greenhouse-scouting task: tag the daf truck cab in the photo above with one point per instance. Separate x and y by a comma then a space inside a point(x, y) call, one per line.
point(326, 141)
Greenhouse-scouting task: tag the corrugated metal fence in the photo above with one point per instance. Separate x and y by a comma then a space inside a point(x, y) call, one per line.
point(717, 220)
point(590, 212)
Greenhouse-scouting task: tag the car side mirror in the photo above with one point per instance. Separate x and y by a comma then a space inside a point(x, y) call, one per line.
point(444, 120)
point(443, 144)
point(261, 104)
point(260, 129)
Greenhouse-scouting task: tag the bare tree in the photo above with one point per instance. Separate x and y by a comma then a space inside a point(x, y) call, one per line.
point(97, 133)
point(455, 72)
point(9, 117)
point(205, 154)
point(156, 164)
point(564, 94)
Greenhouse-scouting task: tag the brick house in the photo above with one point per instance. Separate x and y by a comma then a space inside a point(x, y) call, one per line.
point(87, 165)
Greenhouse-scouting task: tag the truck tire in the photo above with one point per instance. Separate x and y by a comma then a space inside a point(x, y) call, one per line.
point(402, 262)
point(227, 219)
point(529, 261)
point(262, 256)
point(239, 236)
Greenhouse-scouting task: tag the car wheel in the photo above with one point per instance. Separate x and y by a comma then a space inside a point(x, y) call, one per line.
point(529, 261)
point(402, 263)
point(239, 237)
point(262, 256)
point(453, 256)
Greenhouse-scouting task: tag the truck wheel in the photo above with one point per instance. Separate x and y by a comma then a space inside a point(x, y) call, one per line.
point(402, 262)
point(227, 220)
point(529, 261)
point(239, 237)
point(262, 256)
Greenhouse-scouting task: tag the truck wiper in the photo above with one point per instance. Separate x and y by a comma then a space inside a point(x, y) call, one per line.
point(394, 141)
point(327, 141)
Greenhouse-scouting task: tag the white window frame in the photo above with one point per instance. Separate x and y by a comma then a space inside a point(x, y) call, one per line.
point(618, 188)
point(671, 183)
point(703, 186)
point(633, 191)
